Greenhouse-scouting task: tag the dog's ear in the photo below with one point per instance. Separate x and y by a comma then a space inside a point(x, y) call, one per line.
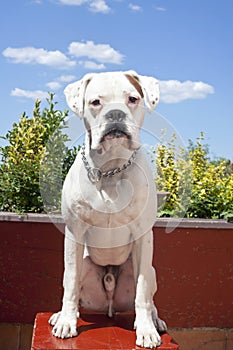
point(75, 93)
point(150, 89)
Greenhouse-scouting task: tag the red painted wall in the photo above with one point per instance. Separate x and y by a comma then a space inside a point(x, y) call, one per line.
point(195, 277)
point(194, 273)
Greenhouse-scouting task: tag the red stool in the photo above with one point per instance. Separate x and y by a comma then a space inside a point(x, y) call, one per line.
point(96, 332)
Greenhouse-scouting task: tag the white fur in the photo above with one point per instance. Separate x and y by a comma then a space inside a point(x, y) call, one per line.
point(110, 223)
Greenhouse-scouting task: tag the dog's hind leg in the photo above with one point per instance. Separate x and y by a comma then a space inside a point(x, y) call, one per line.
point(124, 296)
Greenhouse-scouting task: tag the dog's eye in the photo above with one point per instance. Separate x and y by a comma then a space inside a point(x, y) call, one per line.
point(95, 102)
point(133, 99)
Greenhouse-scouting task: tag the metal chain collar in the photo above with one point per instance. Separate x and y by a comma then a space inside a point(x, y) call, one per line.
point(95, 174)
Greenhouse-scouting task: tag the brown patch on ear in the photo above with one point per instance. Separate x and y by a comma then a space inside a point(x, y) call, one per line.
point(87, 82)
point(134, 81)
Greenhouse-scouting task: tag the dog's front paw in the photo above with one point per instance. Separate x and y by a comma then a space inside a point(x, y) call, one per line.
point(64, 326)
point(146, 333)
point(54, 318)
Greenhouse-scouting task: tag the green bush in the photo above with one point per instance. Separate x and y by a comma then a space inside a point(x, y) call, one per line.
point(199, 187)
point(28, 144)
point(36, 160)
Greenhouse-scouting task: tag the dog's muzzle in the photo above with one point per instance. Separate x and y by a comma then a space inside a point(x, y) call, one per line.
point(116, 126)
point(116, 116)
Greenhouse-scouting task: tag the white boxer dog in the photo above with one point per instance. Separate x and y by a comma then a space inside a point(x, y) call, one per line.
point(109, 207)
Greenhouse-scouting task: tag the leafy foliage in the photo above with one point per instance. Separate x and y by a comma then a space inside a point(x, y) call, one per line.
point(28, 144)
point(198, 187)
point(36, 160)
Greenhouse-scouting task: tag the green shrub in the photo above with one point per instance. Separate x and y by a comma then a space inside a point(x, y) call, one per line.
point(36, 160)
point(199, 187)
point(28, 144)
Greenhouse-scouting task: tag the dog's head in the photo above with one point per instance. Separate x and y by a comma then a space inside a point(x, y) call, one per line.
point(113, 106)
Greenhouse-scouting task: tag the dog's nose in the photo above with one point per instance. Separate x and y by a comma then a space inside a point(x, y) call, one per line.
point(115, 115)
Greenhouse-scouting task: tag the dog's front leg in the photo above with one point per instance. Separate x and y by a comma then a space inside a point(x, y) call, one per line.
point(146, 286)
point(65, 321)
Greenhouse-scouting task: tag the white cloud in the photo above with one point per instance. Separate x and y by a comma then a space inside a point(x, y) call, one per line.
point(72, 2)
point(29, 94)
point(41, 56)
point(66, 78)
point(161, 9)
point(58, 82)
point(92, 65)
point(103, 53)
point(173, 91)
point(135, 8)
point(96, 6)
point(99, 6)
point(54, 85)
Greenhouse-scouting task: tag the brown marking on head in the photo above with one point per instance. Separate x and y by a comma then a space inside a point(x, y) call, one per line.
point(134, 81)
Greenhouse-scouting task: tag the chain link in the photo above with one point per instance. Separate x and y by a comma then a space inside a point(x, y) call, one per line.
point(95, 174)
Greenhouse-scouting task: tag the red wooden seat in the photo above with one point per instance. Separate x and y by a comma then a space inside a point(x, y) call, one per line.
point(96, 332)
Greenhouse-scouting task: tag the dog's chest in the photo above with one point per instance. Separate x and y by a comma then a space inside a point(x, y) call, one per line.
point(112, 213)
point(112, 205)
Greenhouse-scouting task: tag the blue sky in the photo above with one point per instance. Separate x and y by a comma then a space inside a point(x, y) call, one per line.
point(187, 45)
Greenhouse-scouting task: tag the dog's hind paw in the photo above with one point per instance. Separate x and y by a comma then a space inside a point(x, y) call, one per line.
point(159, 324)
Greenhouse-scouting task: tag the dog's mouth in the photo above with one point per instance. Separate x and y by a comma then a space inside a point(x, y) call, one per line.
point(115, 133)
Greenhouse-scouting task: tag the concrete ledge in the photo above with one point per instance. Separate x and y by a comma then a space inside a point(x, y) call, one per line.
point(15, 336)
point(203, 338)
point(193, 223)
point(160, 222)
point(31, 217)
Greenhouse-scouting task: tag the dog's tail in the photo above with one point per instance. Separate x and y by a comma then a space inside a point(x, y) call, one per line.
point(109, 283)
